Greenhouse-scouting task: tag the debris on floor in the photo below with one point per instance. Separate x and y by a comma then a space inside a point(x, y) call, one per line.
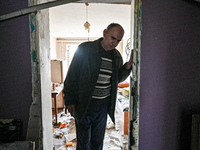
point(115, 141)
point(64, 134)
point(64, 137)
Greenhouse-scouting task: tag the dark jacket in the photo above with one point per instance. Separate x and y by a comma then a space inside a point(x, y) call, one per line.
point(83, 74)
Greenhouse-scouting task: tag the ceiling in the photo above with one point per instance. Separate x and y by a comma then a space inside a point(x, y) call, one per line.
point(107, 1)
point(67, 21)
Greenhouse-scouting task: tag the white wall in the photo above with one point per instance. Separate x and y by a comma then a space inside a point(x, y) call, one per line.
point(52, 47)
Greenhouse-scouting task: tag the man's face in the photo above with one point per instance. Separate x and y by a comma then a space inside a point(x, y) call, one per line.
point(112, 38)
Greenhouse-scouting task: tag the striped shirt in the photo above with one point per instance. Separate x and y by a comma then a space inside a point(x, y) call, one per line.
point(103, 86)
point(102, 89)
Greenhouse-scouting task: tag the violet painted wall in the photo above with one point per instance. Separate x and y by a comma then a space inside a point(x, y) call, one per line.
point(170, 73)
point(15, 64)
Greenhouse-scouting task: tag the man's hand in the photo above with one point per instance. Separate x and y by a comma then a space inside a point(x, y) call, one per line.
point(70, 109)
point(130, 62)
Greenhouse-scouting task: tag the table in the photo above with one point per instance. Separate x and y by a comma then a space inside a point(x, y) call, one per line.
point(54, 94)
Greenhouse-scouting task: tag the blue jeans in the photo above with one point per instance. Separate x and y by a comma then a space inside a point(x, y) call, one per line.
point(91, 130)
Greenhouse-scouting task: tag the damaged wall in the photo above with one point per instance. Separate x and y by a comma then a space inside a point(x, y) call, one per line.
point(170, 73)
point(40, 127)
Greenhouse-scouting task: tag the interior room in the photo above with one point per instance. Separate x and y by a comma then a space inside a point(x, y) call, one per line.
point(67, 31)
point(169, 75)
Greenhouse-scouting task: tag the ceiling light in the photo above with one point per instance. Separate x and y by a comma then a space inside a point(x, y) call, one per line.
point(87, 24)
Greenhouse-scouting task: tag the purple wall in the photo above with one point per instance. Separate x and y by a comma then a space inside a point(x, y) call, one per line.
point(170, 74)
point(15, 64)
point(170, 71)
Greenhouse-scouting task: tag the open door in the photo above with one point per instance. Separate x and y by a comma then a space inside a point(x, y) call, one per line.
point(135, 76)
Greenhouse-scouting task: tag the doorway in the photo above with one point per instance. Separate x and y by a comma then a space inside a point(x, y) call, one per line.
point(66, 37)
point(99, 36)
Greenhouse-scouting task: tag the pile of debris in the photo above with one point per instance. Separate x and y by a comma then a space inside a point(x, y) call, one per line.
point(64, 134)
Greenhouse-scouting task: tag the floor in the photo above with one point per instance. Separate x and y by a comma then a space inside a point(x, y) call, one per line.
point(64, 135)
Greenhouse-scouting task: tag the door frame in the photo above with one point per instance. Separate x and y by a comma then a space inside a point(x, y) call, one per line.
point(40, 116)
point(135, 44)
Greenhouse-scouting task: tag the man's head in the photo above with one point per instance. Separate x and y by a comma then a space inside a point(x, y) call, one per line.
point(112, 36)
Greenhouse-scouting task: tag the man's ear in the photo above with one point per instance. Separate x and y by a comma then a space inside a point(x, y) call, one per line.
point(104, 32)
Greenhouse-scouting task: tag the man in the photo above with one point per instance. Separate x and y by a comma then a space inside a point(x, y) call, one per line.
point(90, 87)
